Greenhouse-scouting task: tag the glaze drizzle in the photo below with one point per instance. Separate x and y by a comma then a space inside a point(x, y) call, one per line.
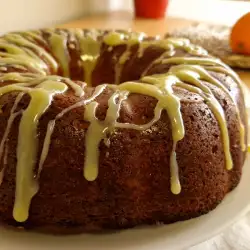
point(22, 50)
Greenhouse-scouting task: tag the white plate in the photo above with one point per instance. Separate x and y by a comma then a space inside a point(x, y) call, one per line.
point(175, 236)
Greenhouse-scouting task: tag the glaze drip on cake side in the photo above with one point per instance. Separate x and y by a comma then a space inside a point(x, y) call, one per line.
point(22, 51)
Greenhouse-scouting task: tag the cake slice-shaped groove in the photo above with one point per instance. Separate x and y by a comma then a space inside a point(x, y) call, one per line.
point(98, 130)
point(120, 64)
point(41, 97)
point(11, 119)
point(22, 60)
point(26, 187)
point(51, 125)
point(217, 66)
point(21, 41)
point(218, 111)
point(195, 74)
point(17, 77)
point(171, 103)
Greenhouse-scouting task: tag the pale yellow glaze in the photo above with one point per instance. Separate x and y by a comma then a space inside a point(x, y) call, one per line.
point(186, 45)
point(51, 125)
point(171, 103)
point(58, 44)
point(218, 112)
point(22, 60)
point(127, 38)
point(20, 51)
point(41, 93)
point(17, 77)
point(11, 48)
point(26, 187)
point(227, 71)
point(46, 144)
point(90, 50)
point(114, 38)
point(75, 87)
point(174, 171)
point(120, 64)
point(170, 45)
point(98, 90)
point(196, 74)
point(34, 35)
point(160, 87)
point(97, 131)
point(41, 97)
point(214, 65)
point(20, 41)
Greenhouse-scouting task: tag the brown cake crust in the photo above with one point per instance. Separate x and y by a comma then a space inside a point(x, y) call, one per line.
point(133, 184)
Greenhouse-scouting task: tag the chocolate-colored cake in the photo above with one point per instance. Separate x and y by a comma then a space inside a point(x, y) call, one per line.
point(111, 129)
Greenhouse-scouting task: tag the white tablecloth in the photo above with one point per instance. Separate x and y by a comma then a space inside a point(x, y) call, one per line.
point(236, 237)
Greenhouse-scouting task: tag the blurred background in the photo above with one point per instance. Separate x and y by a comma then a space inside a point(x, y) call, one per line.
point(28, 14)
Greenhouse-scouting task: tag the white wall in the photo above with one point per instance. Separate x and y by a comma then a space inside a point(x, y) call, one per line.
point(221, 11)
point(24, 14)
point(29, 14)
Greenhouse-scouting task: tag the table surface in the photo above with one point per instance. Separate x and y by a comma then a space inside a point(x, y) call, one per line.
point(236, 237)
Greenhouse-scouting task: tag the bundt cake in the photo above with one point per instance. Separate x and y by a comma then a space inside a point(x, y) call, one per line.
point(107, 130)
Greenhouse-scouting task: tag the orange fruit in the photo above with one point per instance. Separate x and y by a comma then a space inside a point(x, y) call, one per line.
point(240, 35)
